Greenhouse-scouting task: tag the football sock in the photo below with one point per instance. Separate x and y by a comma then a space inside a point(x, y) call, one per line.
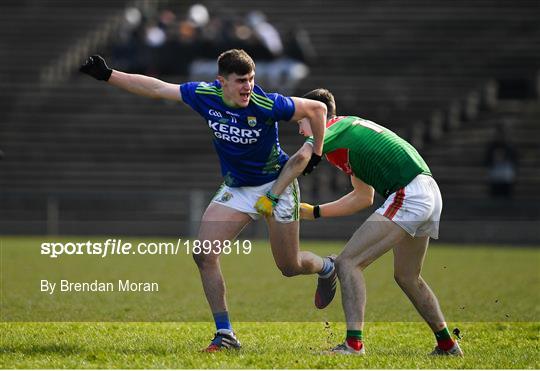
point(354, 339)
point(222, 321)
point(327, 269)
point(444, 340)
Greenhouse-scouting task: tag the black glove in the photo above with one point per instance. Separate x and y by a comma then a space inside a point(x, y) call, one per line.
point(96, 67)
point(312, 164)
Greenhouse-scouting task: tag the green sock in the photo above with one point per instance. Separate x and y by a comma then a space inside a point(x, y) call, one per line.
point(444, 334)
point(355, 334)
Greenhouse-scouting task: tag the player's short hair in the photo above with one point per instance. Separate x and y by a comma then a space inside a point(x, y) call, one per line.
point(325, 96)
point(235, 61)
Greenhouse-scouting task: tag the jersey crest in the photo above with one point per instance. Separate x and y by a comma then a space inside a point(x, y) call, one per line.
point(252, 121)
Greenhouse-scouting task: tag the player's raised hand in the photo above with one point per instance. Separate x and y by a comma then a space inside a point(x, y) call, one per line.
point(265, 204)
point(96, 67)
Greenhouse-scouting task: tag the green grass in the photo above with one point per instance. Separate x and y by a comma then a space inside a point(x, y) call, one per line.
point(266, 345)
point(490, 293)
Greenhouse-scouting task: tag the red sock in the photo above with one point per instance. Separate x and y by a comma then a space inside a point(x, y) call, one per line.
point(446, 344)
point(354, 343)
point(444, 339)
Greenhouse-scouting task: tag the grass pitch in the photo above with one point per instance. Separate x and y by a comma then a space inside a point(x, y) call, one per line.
point(266, 345)
point(490, 293)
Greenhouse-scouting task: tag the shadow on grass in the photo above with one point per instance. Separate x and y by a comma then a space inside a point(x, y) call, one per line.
point(150, 350)
point(68, 349)
point(35, 349)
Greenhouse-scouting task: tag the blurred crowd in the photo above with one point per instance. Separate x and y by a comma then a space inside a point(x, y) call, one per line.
point(502, 160)
point(188, 44)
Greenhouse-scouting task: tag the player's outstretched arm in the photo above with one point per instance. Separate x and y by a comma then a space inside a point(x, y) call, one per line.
point(358, 199)
point(145, 86)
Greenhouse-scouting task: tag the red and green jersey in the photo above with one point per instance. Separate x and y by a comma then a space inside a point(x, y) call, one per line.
point(372, 153)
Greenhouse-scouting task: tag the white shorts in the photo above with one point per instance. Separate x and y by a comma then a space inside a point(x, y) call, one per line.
point(244, 198)
point(415, 208)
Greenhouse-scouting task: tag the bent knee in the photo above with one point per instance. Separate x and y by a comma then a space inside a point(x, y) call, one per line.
point(205, 260)
point(345, 264)
point(406, 280)
point(290, 270)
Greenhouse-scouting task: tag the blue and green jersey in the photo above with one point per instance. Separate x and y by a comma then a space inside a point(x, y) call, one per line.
point(245, 139)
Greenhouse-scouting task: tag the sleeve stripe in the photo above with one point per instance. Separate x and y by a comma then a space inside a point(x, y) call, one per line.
point(261, 103)
point(208, 89)
point(209, 92)
point(263, 98)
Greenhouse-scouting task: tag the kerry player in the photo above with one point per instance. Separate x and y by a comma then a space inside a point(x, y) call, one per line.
point(377, 160)
point(243, 121)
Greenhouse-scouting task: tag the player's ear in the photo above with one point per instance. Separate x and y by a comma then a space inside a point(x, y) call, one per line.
point(221, 79)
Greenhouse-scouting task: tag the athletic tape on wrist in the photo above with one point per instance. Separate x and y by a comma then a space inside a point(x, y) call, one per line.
point(274, 198)
point(316, 211)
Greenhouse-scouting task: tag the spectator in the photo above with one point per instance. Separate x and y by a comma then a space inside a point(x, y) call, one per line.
point(502, 161)
point(165, 44)
point(298, 45)
point(266, 33)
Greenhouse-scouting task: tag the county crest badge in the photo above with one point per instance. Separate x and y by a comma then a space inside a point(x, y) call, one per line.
point(252, 121)
point(226, 197)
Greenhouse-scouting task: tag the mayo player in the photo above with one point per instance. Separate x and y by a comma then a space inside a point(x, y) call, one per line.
point(377, 160)
point(242, 119)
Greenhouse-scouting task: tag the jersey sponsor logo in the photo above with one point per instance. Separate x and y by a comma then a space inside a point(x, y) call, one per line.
point(233, 134)
point(214, 113)
point(222, 119)
point(252, 121)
